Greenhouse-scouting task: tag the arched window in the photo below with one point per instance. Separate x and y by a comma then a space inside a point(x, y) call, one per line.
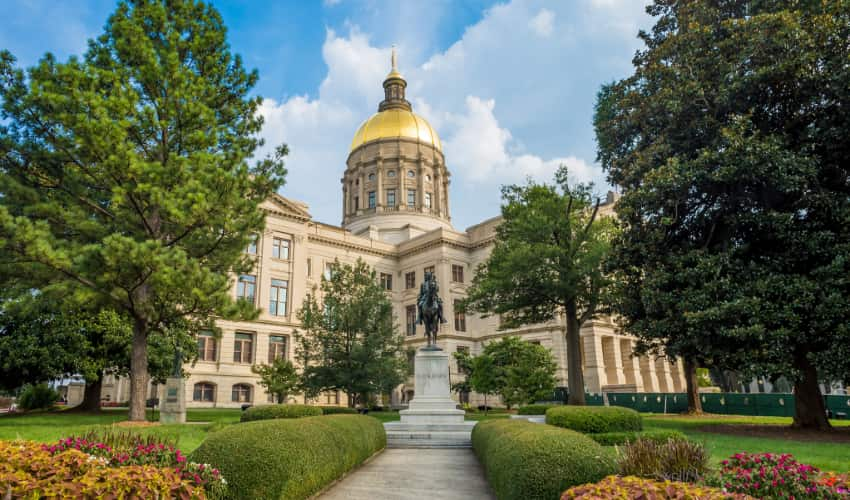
point(204, 391)
point(411, 173)
point(391, 173)
point(371, 177)
point(241, 393)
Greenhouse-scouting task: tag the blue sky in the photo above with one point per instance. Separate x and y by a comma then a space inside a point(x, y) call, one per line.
point(509, 86)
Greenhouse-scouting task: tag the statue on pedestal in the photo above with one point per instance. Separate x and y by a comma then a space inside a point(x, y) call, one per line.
point(430, 309)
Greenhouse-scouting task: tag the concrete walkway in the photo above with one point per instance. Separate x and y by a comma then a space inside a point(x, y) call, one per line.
point(416, 474)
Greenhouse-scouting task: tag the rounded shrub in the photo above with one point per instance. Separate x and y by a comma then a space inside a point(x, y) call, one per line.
point(37, 397)
point(269, 412)
point(621, 438)
point(290, 458)
point(535, 409)
point(335, 410)
point(530, 461)
point(595, 419)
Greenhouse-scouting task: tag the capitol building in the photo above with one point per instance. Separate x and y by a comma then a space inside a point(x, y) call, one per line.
point(396, 216)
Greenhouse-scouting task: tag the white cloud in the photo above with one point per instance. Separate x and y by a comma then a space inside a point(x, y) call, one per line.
point(542, 23)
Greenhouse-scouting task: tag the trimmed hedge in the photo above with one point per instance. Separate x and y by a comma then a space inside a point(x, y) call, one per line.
point(523, 460)
point(290, 458)
point(621, 438)
point(336, 410)
point(595, 419)
point(535, 409)
point(269, 412)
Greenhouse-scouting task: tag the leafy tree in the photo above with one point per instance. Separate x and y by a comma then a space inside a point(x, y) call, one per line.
point(279, 378)
point(124, 175)
point(352, 344)
point(523, 372)
point(730, 143)
point(483, 377)
point(547, 260)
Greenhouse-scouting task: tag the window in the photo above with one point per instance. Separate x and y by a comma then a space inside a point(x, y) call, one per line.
point(411, 320)
point(411, 360)
point(309, 267)
point(332, 398)
point(535, 342)
point(371, 199)
point(371, 177)
point(280, 248)
point(390, 197)
point(465, 350)
point(411, 197)
point(429, 269)
point(460, 318)
point(411, 174)
point(277, 297)
point(243, 348)
point(277, 348)
point(391, 173)
point(328, 270)
point(245, 287)
point(428, 177)
point(252, 245)
point(457, 273)
point(204, 391)
point(241, 393)
point(428, 200)
point(356, 203)
point(206, 347)
point(386, 281)
point(410, 280)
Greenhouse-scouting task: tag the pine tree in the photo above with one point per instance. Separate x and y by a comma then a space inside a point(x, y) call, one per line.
point(125, 174)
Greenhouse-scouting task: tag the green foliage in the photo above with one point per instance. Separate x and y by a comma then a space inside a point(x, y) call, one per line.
point(335, 410)
point(520, 372)
point(673, 459)
point(728, 142)
point(270, 412)
point(535, 409)
point(635, 487)
point(623, 437)
point(350, 342)
point(126, 181)
point(547, 260)
point(279, 378)
point(290, 459)
point(37, 397)
point(527, 461)
point(594, 419)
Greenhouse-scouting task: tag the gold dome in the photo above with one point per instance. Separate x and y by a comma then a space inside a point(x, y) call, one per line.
point(395, 123)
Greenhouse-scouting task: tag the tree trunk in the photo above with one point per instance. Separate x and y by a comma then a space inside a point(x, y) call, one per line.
point(692, 387)
point(91, 396)
point(139, 371)
point(810, 412)
point(575, 373)
point(486, 409)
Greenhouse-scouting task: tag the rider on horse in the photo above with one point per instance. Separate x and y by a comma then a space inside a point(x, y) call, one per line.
point(429, 286)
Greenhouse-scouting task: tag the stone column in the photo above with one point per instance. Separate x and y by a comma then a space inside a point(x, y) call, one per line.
point(662, 370)
point(438, 195)
point(594, 368)
point(380, 200)
point(647, 372)
point(559, 350)
point(420, 186)
point(445, 187)
point(630, 363)
point(678, 369)
point(402, 184)
point(613, 361)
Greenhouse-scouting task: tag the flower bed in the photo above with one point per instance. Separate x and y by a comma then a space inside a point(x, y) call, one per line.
point(617, 487)
point(30, 470)
point(768, 475)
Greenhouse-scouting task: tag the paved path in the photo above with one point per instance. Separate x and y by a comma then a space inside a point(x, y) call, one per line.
point(416, 474)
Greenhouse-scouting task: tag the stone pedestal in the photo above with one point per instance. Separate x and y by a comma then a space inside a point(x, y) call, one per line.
point(172, 408)
point(432, 420)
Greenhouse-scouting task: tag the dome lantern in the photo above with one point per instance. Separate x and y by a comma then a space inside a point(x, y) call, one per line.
point(394, 85)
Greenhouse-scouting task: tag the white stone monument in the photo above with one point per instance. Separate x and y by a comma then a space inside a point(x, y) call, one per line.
point(172, 409)
point(432, 419)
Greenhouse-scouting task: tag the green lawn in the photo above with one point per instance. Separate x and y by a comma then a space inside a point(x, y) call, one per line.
point(46, 427)
point(827, 456)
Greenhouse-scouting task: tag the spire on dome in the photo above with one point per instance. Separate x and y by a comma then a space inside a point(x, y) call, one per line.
point(394, 86)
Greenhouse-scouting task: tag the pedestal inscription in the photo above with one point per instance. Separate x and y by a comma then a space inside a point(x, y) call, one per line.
point(172, 408)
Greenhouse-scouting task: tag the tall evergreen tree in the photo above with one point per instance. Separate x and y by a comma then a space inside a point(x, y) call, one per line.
point(730, 141)
point(350, 342)
point(547, 260)
point(124, 175)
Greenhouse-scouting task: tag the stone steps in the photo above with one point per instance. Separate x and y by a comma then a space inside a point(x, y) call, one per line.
point(414, 435)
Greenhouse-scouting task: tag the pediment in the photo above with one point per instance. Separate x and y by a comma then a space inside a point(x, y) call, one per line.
point(286, 207)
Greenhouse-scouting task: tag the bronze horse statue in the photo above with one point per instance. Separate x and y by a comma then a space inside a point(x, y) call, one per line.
point(430, 308)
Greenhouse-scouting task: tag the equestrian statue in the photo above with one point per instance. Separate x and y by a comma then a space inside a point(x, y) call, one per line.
point(430, 309)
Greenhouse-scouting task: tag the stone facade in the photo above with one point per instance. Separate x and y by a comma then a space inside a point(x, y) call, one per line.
point(401, 235)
